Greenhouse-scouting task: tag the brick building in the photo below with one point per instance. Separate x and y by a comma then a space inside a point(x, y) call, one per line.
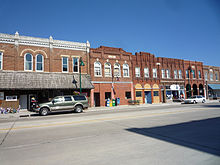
point(212, 81)
point(158, 79)
point(40, 67)
point(111, 74)
point(145, 78)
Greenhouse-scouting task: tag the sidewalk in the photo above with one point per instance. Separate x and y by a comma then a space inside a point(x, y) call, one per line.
point(25, 113)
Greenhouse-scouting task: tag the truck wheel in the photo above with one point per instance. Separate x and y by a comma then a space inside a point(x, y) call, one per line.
point(78, 109)
point(44, 112)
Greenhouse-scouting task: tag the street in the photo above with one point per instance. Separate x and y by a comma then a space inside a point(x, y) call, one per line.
point(166, 135)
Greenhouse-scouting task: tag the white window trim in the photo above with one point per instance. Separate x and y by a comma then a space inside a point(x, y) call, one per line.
point(146, 69)
point(1, 67)
point(168, 74)
point(162, 73)
point(78, 63)
point(110, 69)
point(180, 71)
point(155, 69)
point(127, 67)
point(25, 62)
point(100, 70)
point(175, 75)
point(67, 65)
point(138, 71)
point(119, 70)
point(42, 63)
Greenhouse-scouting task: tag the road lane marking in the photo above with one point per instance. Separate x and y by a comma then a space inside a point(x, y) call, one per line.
point(94, 120)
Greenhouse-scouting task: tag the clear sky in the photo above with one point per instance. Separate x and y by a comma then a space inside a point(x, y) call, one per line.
point(184, 29)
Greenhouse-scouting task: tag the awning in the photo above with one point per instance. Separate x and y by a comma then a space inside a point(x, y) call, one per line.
point(214, 86)
point(35, 80)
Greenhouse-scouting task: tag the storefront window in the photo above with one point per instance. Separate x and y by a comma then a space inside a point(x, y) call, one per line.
point(138, 94)
point(156, 93)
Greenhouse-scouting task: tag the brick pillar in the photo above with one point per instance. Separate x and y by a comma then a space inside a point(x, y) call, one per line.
point(92, 98)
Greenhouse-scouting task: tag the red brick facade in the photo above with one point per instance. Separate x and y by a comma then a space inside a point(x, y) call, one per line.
point(110, 85)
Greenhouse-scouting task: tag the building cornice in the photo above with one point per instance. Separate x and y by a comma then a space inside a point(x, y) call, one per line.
point(43, 42)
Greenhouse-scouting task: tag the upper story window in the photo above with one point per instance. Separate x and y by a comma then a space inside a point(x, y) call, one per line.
point(108, 70)
point(28, 62)
point(180, 74)
point(187, 73)
point(137, 72)
point(117, 70)
point(125, 70)
point(211, 76)
point(1, 60)
point(216, 76)
point(193, 73)
point(206, 76)
point(162, 73)
point(146, 72)
point(168, 73)
point(199, 72)
point(75, 64)
point(154, 73)
point(98, 69)
point(39, 62)
point(175, 74)
point(65, 64)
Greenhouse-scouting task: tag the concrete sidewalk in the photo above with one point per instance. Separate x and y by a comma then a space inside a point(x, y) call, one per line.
point(25, 113)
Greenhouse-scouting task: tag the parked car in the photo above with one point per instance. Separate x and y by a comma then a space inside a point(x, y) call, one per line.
point(60, 103)
point(195, 99)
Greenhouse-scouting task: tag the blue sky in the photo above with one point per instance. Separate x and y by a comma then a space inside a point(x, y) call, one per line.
point(184, 29)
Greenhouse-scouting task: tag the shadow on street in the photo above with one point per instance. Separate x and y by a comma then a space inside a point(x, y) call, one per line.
point(202, 135)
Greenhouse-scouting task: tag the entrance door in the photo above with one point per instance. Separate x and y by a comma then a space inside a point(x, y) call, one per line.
point(97, 99)
point(148, 99)
point(23, 101)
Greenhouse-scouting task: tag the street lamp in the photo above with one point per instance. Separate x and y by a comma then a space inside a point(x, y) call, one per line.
point(80, 81)
point(189, 73)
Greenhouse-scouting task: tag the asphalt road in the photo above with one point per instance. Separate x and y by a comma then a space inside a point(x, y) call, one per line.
point(183, 134)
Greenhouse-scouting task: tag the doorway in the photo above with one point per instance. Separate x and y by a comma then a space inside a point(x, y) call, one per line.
point(97, 99)
point(148, 98)
point(23, 101)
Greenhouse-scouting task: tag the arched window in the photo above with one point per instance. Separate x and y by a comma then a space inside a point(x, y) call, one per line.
point(39, 62)
point(117, 70)
point(28, 62)
point(97, 69)
point(125, 70)
point(108, 71)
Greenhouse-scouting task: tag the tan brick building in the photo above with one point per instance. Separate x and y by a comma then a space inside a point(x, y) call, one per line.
point(40, 67)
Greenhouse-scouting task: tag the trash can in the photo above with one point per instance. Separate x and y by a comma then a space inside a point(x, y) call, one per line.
point(118, 101)
point(108, 103)
point(113, 102)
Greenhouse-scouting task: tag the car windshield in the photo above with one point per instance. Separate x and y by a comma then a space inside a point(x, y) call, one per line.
point(192, 97)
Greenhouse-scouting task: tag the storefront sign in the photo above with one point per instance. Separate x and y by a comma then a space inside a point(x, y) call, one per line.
point(1, 95)
point(175, 87)
point(11, 98)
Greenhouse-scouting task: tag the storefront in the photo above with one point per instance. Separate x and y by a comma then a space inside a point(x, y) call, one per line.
point(174, 92)
point(18, 88)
